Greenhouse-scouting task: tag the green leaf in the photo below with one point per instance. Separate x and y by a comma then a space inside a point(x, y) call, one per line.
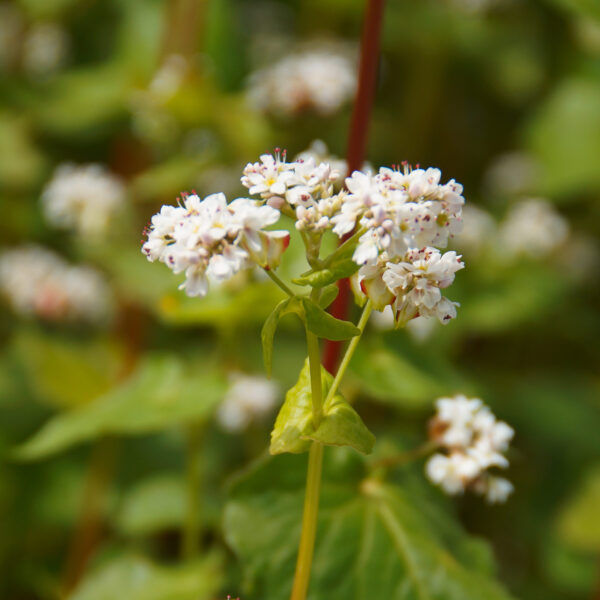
point(578, 522)
point(345, 267)
point(340, 426)
point(373, 540)
point(582, 8)
point(326, 326)
point(159, 394)
point(153, 505)
point(67, 372)
point(268, 331)
point(395, 378)
point(136, 578)
point(328, 295)
point(570, 114)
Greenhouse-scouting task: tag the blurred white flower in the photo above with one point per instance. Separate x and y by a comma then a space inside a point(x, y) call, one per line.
point(212, 238)
point(511, 174)
point(451, 472)
point(45, 49)
point(479, 230)
point(532, 227)
point(38, 282)
point(248, 398)
point(84, 198)
point(495, 489)
point(318, 80)
point(474, 441)
point(169, 77)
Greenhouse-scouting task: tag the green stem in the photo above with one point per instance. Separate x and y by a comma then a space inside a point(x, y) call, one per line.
point(403, 458)
point(191, 533)
point(349, 352)
point(314, 361)
point(279, 283)
point(309, 522)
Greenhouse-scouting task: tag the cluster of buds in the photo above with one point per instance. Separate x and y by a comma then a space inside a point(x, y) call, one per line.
point(84, 198)
point(303, 189)
point(474, 441)
point(320, 81)
point(39, 283)
point(210, 237)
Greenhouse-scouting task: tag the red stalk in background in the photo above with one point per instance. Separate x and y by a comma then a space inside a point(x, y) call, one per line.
point(357, 144)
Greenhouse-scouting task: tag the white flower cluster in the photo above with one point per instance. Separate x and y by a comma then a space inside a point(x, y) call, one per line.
point(403, 216)
point(248, 398)
point(209, 237)
point(319, 80)
point(412, 284)
point(84, 198)
point(303, 188)
point(39, 283)
point(474, 441)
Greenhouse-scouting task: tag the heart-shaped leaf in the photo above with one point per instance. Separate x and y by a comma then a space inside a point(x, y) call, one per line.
point(340, 425)
point(374, 540)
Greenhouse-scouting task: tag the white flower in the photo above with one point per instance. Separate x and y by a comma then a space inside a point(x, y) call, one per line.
point(38, 282)
point(319, 152)
point(270, 177)
point(475, 441)
point(495, 489)
point(534, 228)
point(249, 397)
point(416, 281)
point(83, 198)
point(319, 80)
point(452, 472)
point(212, 238)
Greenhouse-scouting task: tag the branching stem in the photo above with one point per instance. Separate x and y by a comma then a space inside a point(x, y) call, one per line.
point(279, 283)
point(349, 352)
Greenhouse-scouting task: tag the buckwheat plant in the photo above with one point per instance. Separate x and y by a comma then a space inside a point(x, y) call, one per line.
point(393, 224)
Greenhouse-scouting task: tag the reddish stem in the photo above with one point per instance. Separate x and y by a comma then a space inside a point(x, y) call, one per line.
point(357, 144)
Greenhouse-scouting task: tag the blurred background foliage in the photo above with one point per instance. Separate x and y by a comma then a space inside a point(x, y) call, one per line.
point(100, 422)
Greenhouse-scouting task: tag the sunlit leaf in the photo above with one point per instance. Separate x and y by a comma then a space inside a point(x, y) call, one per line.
point(340, 425)
point(159, 394)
